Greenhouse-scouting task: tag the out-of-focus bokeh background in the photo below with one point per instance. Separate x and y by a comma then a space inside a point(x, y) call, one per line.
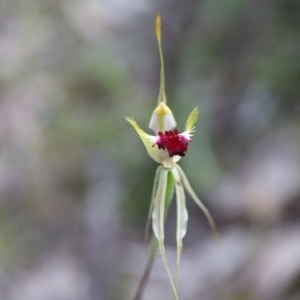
point(75, 181)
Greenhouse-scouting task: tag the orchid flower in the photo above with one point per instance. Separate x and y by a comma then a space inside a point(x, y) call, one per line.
point(167, 146)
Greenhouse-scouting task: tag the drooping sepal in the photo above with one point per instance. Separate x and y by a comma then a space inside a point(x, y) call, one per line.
point(153, 197)
point(182, 216)
point(158, 221)
point(199, 203)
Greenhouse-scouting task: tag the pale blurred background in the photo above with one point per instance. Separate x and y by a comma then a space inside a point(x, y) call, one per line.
point(75, 181)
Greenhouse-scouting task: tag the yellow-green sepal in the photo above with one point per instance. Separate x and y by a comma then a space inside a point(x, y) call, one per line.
point(155, 153)
point(162, 118)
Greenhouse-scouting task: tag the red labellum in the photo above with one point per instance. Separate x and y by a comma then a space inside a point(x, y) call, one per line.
point(172, 141)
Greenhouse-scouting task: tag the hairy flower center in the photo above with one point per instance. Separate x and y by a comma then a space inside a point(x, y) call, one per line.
point(173, 142)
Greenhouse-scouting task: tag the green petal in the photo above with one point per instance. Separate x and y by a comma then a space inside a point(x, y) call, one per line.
point(207, 214)
point(191, 120)
point(155, 153)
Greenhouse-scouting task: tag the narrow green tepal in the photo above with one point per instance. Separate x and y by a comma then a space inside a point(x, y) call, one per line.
point(162, 116)
point(162, 93)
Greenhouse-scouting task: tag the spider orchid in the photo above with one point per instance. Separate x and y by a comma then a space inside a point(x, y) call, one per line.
point(167, 147)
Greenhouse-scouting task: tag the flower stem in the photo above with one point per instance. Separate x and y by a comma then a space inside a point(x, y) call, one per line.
point(143, 282)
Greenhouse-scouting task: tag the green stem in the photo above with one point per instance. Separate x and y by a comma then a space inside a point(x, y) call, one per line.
point(147, 271)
